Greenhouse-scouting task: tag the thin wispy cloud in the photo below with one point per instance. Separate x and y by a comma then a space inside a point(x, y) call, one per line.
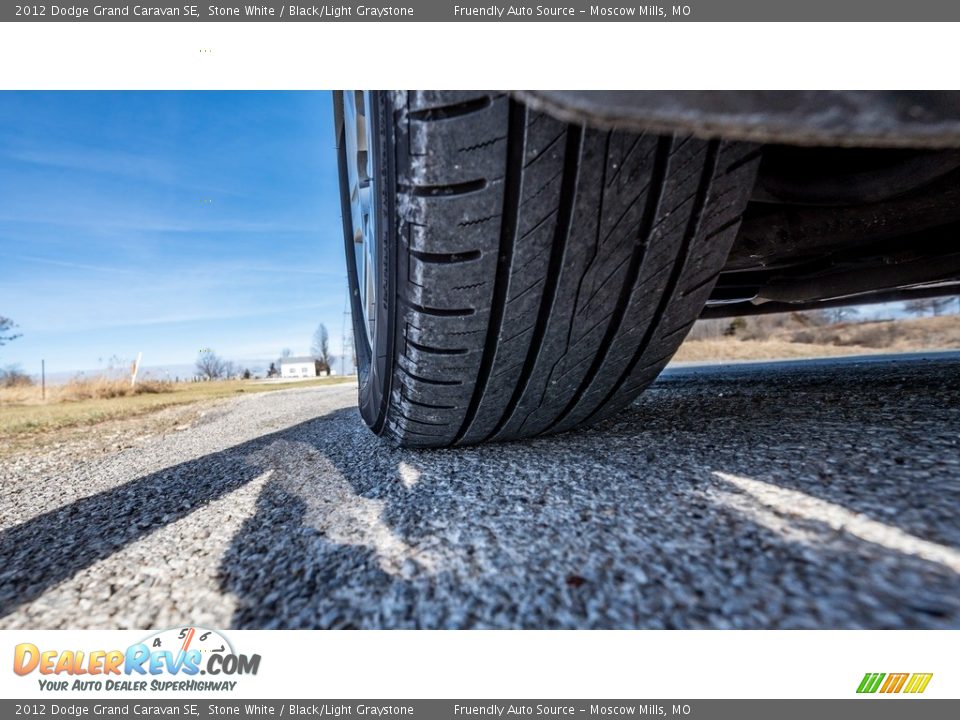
point(144, 168)
point(89, 221)
point(72, 265)
point(207, 316)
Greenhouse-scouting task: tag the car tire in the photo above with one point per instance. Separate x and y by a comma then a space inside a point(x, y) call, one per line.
point(532, 276)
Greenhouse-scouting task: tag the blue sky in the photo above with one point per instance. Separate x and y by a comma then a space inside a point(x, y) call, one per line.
point(166, 222)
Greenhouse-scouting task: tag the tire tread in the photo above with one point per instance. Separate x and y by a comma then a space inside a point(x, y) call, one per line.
point(551, 270)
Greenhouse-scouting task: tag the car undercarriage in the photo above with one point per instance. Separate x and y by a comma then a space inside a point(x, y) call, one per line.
point(856, 200)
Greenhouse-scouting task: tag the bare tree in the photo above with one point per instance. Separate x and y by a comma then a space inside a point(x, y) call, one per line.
point(211, 366)
point(708, 329)
point(940, 304)
point(6, 330)
point(919, 307)
point(286, 352)
point(842, 314)
point(321, 347)
point(815, 318)
point(13, 376)
point(736, 325)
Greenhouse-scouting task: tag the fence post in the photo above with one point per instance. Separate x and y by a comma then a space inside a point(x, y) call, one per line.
point(135, 369)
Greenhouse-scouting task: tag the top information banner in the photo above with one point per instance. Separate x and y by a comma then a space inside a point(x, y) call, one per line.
point(478, 11)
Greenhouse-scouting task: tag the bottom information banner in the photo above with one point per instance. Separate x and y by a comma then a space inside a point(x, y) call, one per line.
point(449, 709)
point(197, 671)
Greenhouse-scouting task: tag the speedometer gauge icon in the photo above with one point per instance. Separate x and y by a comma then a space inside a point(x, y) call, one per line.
point(183, 639)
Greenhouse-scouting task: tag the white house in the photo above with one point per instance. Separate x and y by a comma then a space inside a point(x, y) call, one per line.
point(298, 367)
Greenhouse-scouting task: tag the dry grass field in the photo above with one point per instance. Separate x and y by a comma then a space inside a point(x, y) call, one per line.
point(27, 419)
point(733, 349)
point(927, 333)
point(88, 401)
point(790, 339)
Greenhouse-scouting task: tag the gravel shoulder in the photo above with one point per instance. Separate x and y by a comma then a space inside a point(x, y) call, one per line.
point(774, 495)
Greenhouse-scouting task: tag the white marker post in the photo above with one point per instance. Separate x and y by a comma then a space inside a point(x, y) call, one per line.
point(134, 369)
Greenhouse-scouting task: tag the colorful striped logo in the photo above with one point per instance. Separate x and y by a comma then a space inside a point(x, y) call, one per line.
point(894, 682)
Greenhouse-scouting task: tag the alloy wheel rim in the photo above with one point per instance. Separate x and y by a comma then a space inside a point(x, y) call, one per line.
point(358, 133)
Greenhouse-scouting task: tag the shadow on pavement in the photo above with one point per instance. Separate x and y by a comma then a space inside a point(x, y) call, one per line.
point(814, 501)
point(54, 546)
point(706, 505)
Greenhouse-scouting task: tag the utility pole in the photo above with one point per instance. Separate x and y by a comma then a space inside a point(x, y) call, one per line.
point(43, 379)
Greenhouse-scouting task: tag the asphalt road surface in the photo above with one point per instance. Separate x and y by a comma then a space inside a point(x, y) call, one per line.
point(817, 494)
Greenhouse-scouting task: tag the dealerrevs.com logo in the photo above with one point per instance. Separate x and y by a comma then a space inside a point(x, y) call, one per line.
point(180, 653)
point(889, 683)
